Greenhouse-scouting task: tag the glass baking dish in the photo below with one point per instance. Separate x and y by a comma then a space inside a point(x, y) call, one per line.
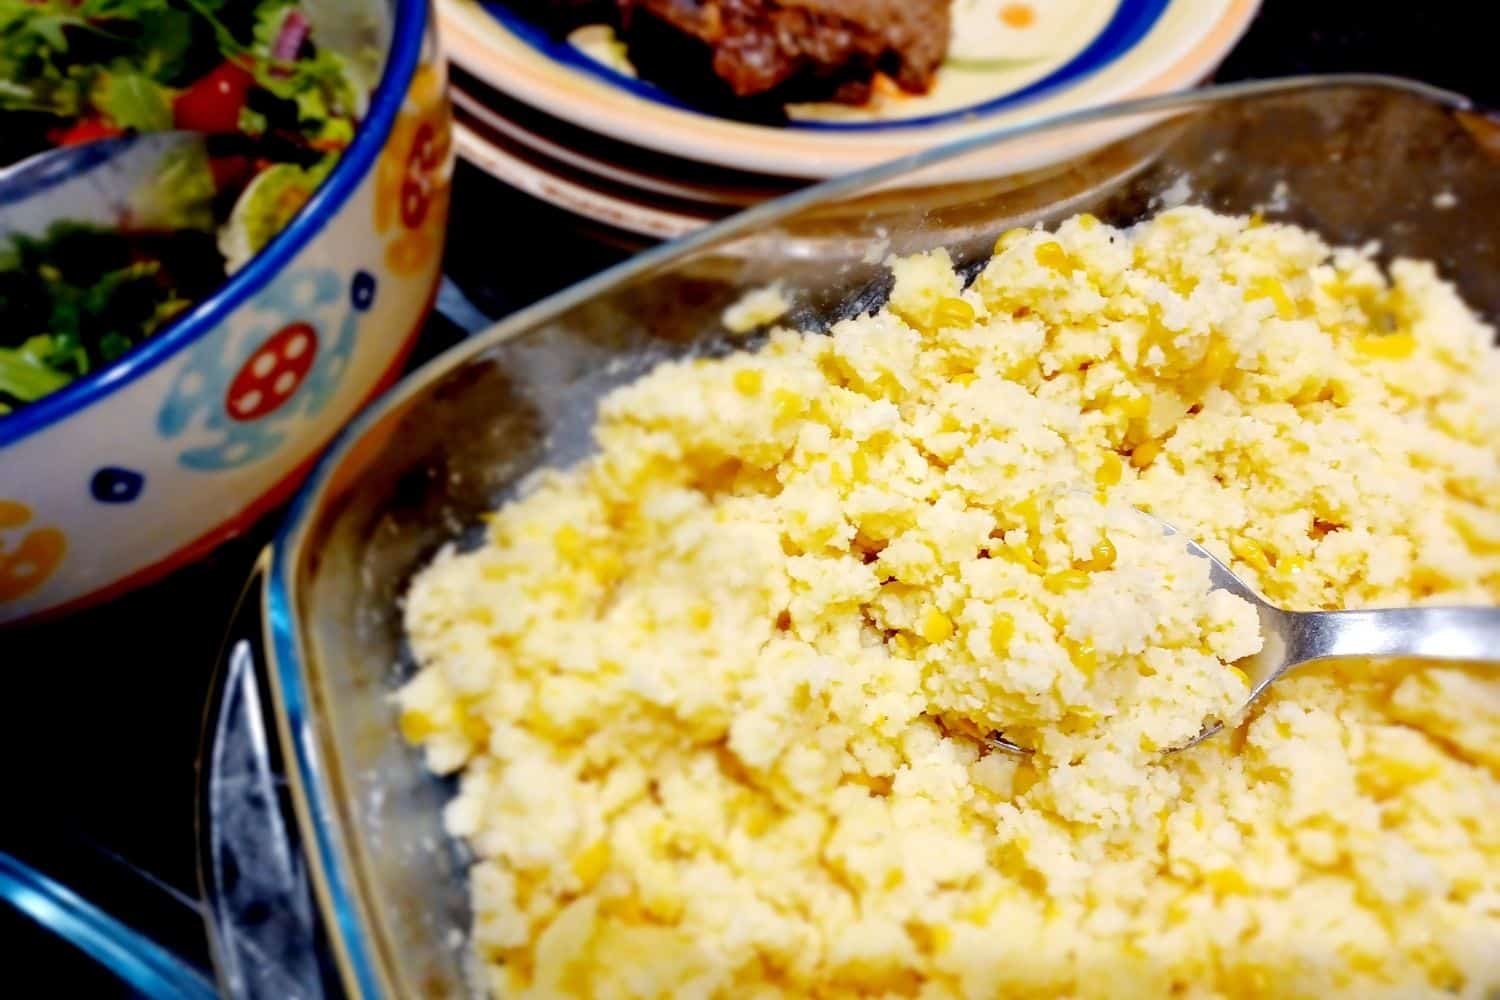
point(1358, 159)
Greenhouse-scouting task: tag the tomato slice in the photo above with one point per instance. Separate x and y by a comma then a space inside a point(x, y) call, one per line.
point(87, 130)
point(213, 102)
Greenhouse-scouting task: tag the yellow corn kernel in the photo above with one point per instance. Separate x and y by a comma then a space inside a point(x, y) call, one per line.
point(1270, 288)
point(591, 863)
point(936, 626)
point(758, 817)
point(952, 312)
point(1087, 221)
point(475, 728)
point(663, 906)
point(1198, 820)
point(1101, 558)
point(1178, 911)
point(1030, 514)
point(416, 725)
point(979, 912)
point(1133, 407)
point(1253, 981)
point(624, 908)
point(1021, 556)
point(894, 877)
point(568, 542)
point(1251, 553)
point(965, 378)
point(1145, 453)
point(1051, 255)
point(1428, 578)
point(1386, 346)
point(606, 565)
point(702, 616)
point(788, 404)
point(1226, 881)
point(1257, 219)
point(1183, 284)
point(1002, 631)
point(942, 939)
point(1217, 361)
point(859, 467)
point(1244, 677)
point(1290, 565)
point(747, 381)
point(1477, 541)
point(1066, 579)
point(1010, 238)
point(1405, 773)
point(1084, 657)
point(1110, 470)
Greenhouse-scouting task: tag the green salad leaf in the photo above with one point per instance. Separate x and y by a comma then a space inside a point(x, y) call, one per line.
point(135, 101)
point(26, 372)
point(76, 298)
point(269, 17)
point(170, 30)
point(266, 206)
point(31, 38)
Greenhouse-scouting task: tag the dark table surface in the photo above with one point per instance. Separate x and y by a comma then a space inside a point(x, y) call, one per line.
point(103, 711)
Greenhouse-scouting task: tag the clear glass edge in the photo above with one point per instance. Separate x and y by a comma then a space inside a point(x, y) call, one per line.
point(284, 642)
point(136, 960)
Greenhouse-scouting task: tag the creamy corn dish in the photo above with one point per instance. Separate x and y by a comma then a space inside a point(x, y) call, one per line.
point(720, 695)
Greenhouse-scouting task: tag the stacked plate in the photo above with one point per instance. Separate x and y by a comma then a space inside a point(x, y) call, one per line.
point(566, 118)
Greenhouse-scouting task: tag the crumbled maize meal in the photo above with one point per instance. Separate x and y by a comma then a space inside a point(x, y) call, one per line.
point(757, 308)
point(750, 760)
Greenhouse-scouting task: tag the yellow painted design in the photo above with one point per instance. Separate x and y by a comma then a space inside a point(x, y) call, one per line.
point(28, 561)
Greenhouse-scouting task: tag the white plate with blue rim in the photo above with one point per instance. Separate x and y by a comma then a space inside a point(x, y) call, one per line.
point(1010, 62)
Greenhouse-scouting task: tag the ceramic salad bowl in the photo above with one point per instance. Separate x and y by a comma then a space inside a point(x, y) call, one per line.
point(152, 460)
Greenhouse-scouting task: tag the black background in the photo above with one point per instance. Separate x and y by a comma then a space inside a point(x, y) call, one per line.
point(100, 714)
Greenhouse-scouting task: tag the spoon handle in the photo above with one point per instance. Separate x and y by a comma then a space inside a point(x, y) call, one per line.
point(1463, 634)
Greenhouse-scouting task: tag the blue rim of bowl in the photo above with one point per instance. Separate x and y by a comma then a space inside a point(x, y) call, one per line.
point(407, 30)
point(283, 648)
point(1130, 22)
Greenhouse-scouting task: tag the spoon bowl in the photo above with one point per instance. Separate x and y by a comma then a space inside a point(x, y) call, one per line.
point(1291, 639)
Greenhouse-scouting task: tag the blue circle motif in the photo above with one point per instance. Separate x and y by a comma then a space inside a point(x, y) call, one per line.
point(112, 484)
point(362, 290)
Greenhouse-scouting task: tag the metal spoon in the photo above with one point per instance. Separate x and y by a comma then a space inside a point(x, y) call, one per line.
point(1293, 638)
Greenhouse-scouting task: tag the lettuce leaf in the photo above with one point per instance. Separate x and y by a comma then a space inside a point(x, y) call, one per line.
point(134, 101)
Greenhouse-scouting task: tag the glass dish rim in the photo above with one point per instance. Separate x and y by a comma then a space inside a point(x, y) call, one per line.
point(326, 844)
